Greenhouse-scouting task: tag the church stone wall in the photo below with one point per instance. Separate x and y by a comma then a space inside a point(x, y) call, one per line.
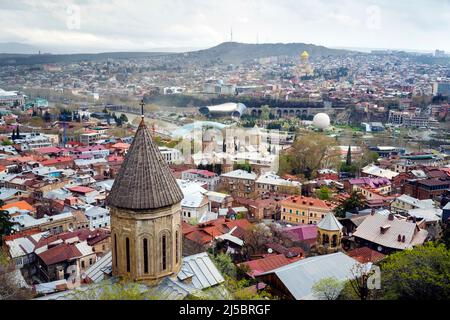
point(151, 225)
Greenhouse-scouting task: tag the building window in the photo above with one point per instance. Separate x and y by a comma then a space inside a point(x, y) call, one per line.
point(145, 248)
point(82, 264)
point(176, 247)
point(127, 251)
point(164, 252)
point(115, 250)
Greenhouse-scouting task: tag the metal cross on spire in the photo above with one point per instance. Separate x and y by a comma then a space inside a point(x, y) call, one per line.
point(142, 104)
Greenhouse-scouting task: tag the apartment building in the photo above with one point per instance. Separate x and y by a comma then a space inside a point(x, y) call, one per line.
point(303, 210)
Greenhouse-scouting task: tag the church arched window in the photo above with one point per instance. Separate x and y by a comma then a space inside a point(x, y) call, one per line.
point(127, 252)
point(145, 248)
point(164, 252)
point(115, 250)
point(176, 247)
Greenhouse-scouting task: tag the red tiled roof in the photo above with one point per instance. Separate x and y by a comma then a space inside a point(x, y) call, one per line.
point(91, 236)
point(205, 232)
point(365, 254)
point(120, 145)
point(54, 161)
point(305, 201)
point(47, 150)
point(81, 189)
point(62, 252)
point(268, 263)
point(202, 172)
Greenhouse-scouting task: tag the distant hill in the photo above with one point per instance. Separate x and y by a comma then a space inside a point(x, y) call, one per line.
point(234, 52)
point(19, 48)
point(227, 52)
point(27, 59)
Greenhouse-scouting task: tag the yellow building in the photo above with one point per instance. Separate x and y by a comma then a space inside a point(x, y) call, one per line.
point(303, 210)
point(329, 234)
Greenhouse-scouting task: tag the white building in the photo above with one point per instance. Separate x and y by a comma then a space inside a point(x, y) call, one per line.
point(195, 203)
point(171, 155)
point(89, 138)
point(35, 140)
point(98, 217)
point(10, 98)
point(405, 203)
point(207, 177)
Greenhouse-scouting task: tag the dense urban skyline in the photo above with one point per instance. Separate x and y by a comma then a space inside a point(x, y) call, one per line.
point(181, 25)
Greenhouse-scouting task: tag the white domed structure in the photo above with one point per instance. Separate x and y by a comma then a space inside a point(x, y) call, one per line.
point(321, 121)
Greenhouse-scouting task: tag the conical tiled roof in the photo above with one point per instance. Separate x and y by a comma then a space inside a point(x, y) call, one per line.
point(144, 180)
point(330, 223)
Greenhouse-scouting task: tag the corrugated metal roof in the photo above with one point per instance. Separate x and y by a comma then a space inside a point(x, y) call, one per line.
point(199, 266)
point(299, 277)
point(204, 270)
point(96, 271)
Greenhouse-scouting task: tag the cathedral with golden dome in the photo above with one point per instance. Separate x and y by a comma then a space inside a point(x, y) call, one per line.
point(304, 67)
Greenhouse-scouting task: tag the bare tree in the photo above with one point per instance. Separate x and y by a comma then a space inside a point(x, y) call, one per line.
point(360, 282)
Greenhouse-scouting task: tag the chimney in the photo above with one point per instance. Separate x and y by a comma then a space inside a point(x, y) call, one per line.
point(391, 217)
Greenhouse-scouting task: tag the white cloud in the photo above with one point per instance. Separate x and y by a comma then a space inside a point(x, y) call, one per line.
point(146, 24)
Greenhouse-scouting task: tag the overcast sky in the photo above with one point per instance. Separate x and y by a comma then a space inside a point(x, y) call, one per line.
point(139, 25)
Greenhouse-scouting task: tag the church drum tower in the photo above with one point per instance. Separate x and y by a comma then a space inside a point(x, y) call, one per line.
point(145, 209)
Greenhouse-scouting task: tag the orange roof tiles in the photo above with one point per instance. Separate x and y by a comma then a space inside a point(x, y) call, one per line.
point(302, 201)
point(21, 205)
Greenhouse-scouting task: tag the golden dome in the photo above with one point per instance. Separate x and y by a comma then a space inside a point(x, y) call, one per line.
point(304, 55)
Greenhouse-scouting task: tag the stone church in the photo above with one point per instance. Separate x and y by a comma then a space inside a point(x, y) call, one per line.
point(145, 213)
point(145, 210)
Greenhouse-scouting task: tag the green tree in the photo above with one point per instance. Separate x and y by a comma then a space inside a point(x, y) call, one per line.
point(348, 160)
point(314, 151)
point(284, 164)
point(324, 193)
point(225, 264)
point(327, 288)
point(122, 290)
point(243, 166)
point(422, 273)
point(6, 225)
point(123, 118)
point(265, 112)
point(7, 142)
point(355, 202)
point(47, 116)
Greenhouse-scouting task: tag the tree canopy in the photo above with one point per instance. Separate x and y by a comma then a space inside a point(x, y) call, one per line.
point(352, 204)
point(422, 273)
point(311, 152)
